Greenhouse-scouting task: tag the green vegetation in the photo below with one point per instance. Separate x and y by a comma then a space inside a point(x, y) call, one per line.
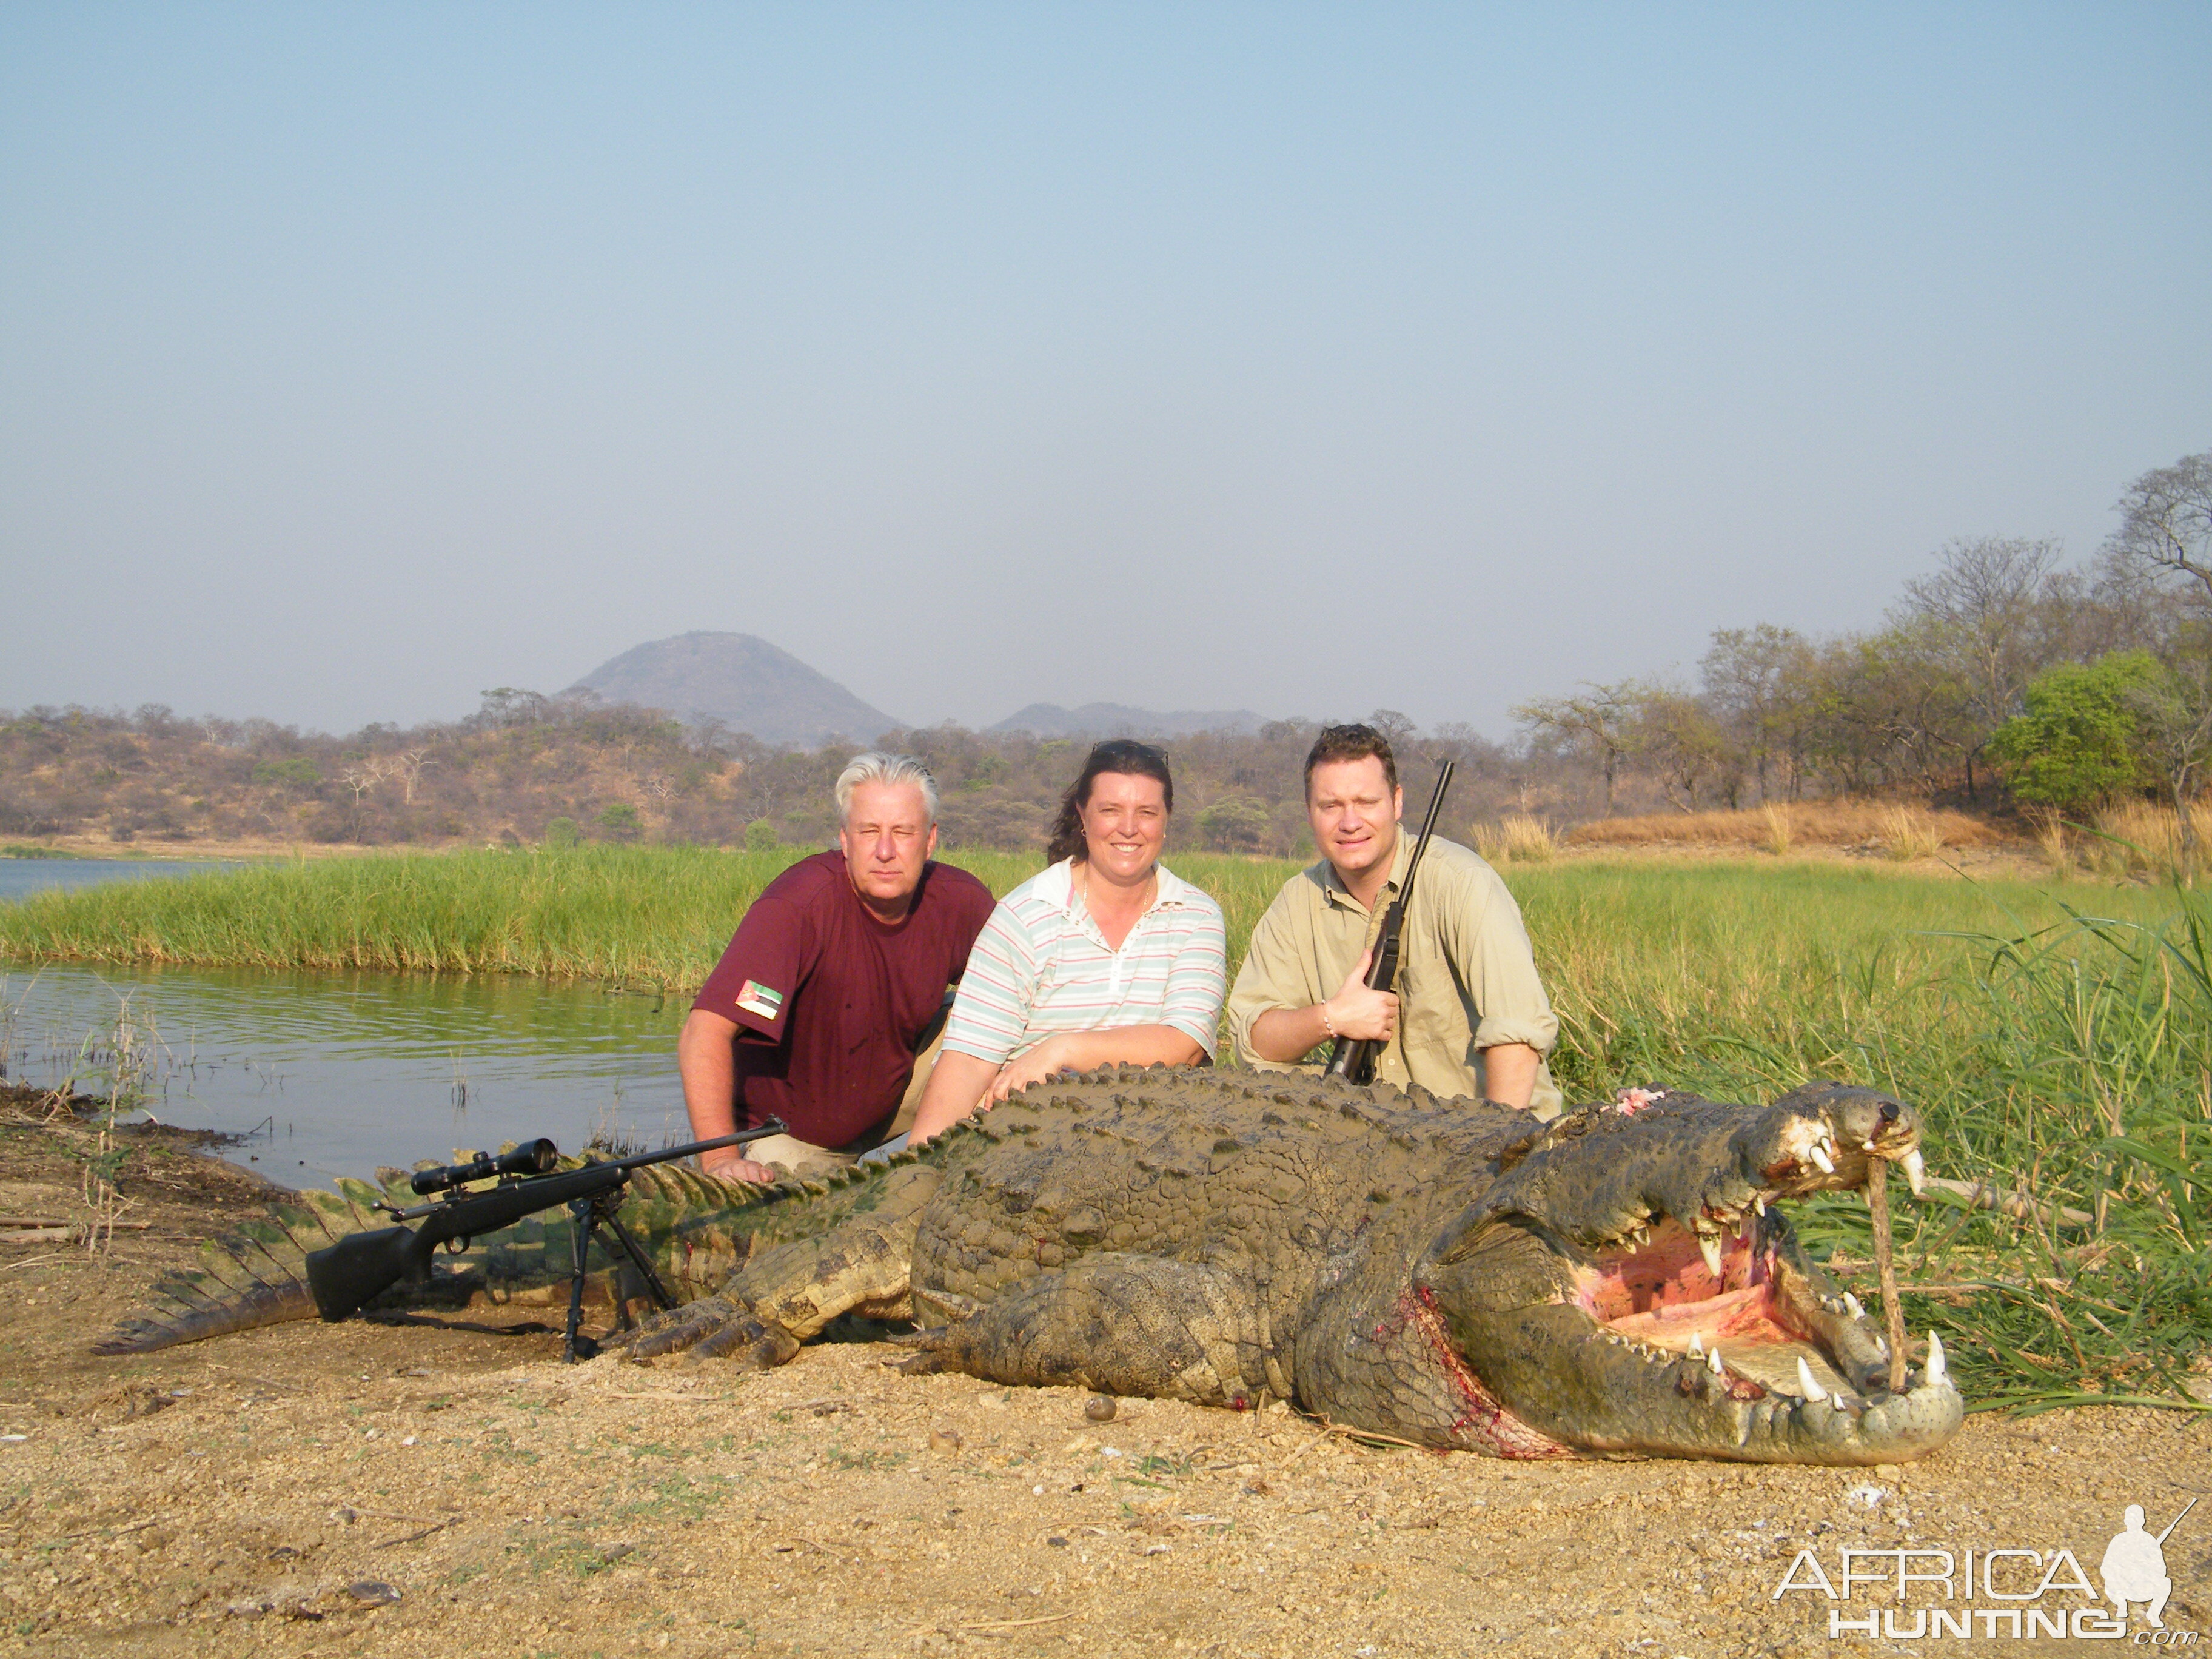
point(2077, 744)
point(2063, 1056)
point(2060, 1054)
point(589, 912)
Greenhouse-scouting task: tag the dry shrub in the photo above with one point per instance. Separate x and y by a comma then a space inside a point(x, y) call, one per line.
point(1815, 823)
point(2140, 838)
point(1516, 835)
point(1777, 839)
point(2050, 840)
point(1908, 833)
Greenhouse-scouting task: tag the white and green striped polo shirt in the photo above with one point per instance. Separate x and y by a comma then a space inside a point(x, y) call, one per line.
point(1041, 967)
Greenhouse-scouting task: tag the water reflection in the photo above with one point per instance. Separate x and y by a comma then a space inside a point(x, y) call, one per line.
point(20, 877)
point(338, 1072)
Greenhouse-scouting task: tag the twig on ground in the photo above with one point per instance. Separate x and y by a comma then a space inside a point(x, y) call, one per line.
point(390, 1543)
point(96, 1531)
point(1017, 1624)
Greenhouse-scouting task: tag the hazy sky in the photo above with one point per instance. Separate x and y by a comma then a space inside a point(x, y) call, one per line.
point(356, 358)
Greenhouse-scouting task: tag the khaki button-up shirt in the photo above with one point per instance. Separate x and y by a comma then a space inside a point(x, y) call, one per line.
point(1467, 980)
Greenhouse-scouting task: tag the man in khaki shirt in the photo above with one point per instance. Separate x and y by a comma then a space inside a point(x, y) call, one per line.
point(1469, 1015)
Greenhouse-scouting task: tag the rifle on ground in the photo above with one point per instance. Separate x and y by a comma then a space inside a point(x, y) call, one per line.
point(347, 1276)
point(1354, 1059)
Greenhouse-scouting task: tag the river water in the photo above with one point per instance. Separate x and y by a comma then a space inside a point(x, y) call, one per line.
point(329, 1073)
point(20, 877)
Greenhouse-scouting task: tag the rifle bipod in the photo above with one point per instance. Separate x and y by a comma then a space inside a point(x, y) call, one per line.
point(586, 1217)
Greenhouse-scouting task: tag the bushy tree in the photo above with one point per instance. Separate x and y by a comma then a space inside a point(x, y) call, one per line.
point(621, 821)
point(2079, 742)
point(1237, 824)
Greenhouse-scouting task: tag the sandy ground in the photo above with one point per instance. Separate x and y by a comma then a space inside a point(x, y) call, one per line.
point(448, 1488)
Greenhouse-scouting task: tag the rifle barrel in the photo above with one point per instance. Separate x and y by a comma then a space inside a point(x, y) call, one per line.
point(2177, 1521)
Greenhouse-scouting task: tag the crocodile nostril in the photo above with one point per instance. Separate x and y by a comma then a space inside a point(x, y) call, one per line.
point(1889, 1111)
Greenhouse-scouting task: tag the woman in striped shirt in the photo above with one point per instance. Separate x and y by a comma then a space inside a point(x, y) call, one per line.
point(1107, 956)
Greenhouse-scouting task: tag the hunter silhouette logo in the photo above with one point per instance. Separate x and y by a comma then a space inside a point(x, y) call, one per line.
point(2134, 1567)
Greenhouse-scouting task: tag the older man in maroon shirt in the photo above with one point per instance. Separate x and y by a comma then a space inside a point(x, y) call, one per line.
point(836, 975)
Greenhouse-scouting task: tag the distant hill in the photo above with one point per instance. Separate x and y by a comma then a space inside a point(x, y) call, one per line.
point(743, 681)
point(1115, 720)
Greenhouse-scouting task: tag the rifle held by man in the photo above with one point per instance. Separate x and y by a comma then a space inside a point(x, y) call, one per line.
point(1354, 1059)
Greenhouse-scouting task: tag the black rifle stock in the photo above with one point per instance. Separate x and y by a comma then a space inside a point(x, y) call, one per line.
point(347, 1276)
point(1354, 1059)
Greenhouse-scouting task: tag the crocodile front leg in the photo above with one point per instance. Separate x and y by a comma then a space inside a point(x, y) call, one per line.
point(1121, 1324)
point(789, 1291)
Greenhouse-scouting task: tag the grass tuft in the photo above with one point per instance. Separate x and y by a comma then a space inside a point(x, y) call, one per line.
point(1517, 838)
point(1908, 833)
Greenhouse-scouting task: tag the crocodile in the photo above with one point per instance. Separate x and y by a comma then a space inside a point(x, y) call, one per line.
point(1618, 1282)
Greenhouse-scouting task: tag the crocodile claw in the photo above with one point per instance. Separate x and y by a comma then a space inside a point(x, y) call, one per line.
point(935, 1353)
point(714, 1328)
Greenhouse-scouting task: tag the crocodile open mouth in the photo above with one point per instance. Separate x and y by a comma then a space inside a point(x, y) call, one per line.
point(1737, 1302)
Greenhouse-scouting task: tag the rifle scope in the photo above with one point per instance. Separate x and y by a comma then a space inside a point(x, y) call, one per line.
point(530, 1157)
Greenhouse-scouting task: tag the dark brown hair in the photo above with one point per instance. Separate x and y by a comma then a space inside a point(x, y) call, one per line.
point(1124, 755)
point(1354, 742)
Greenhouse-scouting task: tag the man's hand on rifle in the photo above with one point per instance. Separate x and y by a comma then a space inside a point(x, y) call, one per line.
point(1288, 1034)
point(1356, 1011)
point(728, 1163)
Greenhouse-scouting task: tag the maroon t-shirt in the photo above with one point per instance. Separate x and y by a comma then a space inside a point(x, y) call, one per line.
point(829, 1001)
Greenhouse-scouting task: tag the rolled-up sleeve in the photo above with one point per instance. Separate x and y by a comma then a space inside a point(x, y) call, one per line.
point(1198, 978)
point(991, 1009)
point(1273, 976)
point(1491, 945)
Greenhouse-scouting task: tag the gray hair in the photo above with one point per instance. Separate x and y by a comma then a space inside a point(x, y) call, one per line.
point(875, 767)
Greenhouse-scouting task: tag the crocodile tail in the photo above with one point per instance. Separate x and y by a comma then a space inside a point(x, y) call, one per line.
point(254, 1275)
point(694, 1229)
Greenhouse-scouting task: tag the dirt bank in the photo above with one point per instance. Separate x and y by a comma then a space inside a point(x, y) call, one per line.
point(448, 1488)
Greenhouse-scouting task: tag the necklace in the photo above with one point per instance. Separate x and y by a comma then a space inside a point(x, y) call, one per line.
point(1151, 891)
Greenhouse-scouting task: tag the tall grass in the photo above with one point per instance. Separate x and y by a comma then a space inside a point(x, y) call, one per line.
point(2136, 838)
point(1821, 823)
point(1515, 838)
point(2062, 1055)
point(622, 913)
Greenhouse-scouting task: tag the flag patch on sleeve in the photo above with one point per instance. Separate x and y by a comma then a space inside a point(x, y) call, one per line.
point(758, 998)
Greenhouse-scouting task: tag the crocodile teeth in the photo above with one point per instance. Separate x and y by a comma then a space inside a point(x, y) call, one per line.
point(1806, 1385)
point(1759, 1203)
point(1820, 1156)
point(1713, 1364)
point(1867, 1146)
point(1916, 1171)
point(1836, 1401)
point(1697, 1345)
point(1856, 1309)
point(1937, 1374)
point(1709, 1246)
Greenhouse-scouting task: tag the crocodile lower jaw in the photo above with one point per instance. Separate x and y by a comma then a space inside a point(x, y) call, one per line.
point(1759, 1341)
